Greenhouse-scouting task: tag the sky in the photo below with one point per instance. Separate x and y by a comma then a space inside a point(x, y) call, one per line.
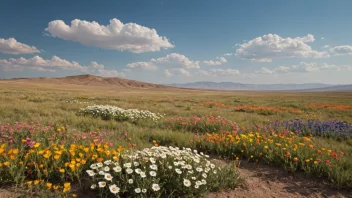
point(179, 41)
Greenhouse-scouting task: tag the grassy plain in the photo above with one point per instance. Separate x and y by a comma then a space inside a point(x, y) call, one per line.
point(59, 104)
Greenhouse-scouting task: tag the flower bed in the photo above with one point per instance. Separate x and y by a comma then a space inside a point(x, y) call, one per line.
point(107, 112)
point(158, 172)
point(285, 149)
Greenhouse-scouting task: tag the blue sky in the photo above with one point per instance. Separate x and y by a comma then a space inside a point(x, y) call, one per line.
point(169, 41)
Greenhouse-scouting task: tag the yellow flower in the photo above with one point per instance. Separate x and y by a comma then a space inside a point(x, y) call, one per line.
point(315, 162)
point(41, 165)
point(0, 164)
point(15, 151)
point(7, 163)
point(36, 182)
point(49, 185)
point(56, 157)
point(1, 150)
point(307, 160)
point(83, 161)
point(62, 170)
point(56, 187)
point(36, 145)
point(74, 195)
point(12, 157)
point(266, 147)
point(58, 130)
point(29, 182)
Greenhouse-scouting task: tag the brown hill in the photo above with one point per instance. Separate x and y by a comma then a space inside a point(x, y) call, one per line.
point(91, 80)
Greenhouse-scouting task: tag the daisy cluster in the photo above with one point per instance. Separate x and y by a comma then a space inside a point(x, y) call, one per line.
point(108, 112)
point(153, 172)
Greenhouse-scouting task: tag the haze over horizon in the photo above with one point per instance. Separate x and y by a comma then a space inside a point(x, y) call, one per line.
point(164, 41)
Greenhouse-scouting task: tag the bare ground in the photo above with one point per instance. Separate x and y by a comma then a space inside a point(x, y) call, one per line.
point(262, 181)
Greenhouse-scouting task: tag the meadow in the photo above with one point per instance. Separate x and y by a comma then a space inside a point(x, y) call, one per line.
point(54, 140)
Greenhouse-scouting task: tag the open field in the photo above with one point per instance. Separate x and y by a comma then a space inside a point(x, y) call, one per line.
point(59, 104)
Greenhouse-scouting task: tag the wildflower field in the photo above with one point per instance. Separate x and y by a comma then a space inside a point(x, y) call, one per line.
point(82, 141)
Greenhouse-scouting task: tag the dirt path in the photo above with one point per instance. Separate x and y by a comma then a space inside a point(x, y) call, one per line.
point(262, 181)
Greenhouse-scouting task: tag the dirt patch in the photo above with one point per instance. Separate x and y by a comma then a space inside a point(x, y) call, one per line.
point(262, 181)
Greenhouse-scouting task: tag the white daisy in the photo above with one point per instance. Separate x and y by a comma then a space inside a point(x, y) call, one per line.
point(93, 166)
point(107, 162)
point(186, 182)
point(108, 177)
point(101, 173)
point(199, 169)
point(106, 169)
point(204, 182)
point(196, 186)
point(154, 167)
point(129, 171)
point(152, 173)
point(114, 189)
point(198, 183)
point(152, 160)
point(155, 187)
point(102, 184)
point(117, 169)
point(138, 171)
point(194, 178)
point(130, 181)
point(90, 173)
point(178, 171)
point(135, 163)
point(100, 165)
point(137, 190)
point(144, 190)
point(93, 186)
point(143, 175)
point(204, 175)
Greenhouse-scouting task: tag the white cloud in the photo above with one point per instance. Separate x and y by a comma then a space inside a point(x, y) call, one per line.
point(176, 71)
point(322, 38)
point(167, 73)
point(176, 60)
point(219, 61)
point(326, 46)
point(142, 65)
point(172, 60)
point(116, 35)
point(342, 50)
point(37, 63)
point(219, 72)
point(272, 46)
point(110, 73)
point(12, 46)
point(303, 67)
point(228, 54)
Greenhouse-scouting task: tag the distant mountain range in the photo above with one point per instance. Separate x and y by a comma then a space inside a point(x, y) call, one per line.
point(263, 87)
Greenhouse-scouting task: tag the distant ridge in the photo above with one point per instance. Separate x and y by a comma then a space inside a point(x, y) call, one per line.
point(230, 86)
point(91, 80)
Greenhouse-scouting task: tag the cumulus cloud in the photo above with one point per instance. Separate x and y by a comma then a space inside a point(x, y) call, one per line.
point(116, 35)
point(228, 54)
point(12, 46)
point(219, 72)
point(172, 60)
point(37, 63)
point(176, 60)
point(341, 50)
point(272, 46)
point(326, 46)
point(219, 61)
point(142, 65)
point(176, 71)
point(303, 67)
